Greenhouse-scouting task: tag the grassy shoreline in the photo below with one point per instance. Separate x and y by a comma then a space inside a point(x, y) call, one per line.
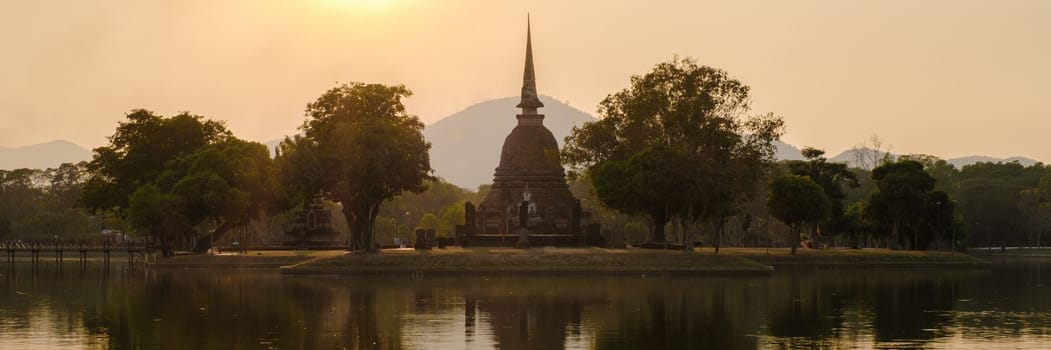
point(858, 258)
point(252, 260)
point(572, 261)
point(545, 261)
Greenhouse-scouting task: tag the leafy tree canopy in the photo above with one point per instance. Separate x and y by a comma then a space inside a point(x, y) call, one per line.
point(211, 191)
point(796, 200)
point(832, 177)
point(902, 198)
point(359, 148)
point(138, 151)
point(686, 121)
point(37, 204)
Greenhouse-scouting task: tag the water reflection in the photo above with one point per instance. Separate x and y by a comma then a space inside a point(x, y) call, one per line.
point(126, 307)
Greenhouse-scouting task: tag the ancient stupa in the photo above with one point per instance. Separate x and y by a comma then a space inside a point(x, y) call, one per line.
point(529, 192)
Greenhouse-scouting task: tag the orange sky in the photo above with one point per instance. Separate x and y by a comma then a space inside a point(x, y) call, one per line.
point(950, 78)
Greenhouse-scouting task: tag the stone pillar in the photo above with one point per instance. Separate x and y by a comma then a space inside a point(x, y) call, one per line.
point(523, 225)
point(593, 234)
point(461, 234)
point(421, 240)
point(469, 216)
point(523, 215)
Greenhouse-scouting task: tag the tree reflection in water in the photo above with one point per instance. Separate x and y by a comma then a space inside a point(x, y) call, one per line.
point(129, 308)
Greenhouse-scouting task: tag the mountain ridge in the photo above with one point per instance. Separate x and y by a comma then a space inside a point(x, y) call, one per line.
point(44, 155)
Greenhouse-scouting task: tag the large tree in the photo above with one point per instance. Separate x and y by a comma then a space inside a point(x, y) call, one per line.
point(686, 121)
point(359, 148)
point(797, 200)
point(218, 188)
point(1035, 207)
point(831, 176)
point(994, 203)
point(138, 151)
point(38, 204)
point(648, 183)
point(902, 199)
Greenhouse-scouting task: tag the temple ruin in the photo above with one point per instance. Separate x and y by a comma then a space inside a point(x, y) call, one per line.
point(530, 202)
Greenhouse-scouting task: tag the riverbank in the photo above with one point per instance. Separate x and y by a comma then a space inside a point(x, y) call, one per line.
point(547, 261)
point(1011, 252)
point(569, 261)
point(856, 258)
point(251, 260)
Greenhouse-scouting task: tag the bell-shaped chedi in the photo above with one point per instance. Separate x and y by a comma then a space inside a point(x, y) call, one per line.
point(529, 186)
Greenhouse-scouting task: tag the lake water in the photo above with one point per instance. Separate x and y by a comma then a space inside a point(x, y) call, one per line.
point(1007, 306)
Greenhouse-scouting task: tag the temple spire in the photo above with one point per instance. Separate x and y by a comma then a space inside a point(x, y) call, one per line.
point(530, 101)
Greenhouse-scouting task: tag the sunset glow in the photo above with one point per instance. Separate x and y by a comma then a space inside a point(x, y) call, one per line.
point(361, 5)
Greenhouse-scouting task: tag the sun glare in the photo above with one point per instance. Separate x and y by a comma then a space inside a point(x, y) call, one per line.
point(362, 5)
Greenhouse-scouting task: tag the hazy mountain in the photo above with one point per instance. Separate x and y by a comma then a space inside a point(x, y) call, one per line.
point(42, 155)
point(848, 157)
point(960, 162)
point(465, 146)
point(787, 152)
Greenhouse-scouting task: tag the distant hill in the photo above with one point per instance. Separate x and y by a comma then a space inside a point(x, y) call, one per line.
point(849, 158)
point(960, 162)
point(786, 151)
point(465, 146)
point(42, 155)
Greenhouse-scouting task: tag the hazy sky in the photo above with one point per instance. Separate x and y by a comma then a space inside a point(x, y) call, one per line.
point(950, 78)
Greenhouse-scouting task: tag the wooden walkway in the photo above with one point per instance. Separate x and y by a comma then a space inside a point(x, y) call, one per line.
point(79, 247)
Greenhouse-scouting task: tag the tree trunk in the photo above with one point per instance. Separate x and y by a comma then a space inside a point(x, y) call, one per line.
point(162, 241)
point(167, 245)
point(205, 242)
point(894, 235)
point(719, 232)
point(361, 218)
point(348, 214)
point(687, 237)
point(659, 221)
point(370, 232)
point(795, 237)
point(676, 230)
